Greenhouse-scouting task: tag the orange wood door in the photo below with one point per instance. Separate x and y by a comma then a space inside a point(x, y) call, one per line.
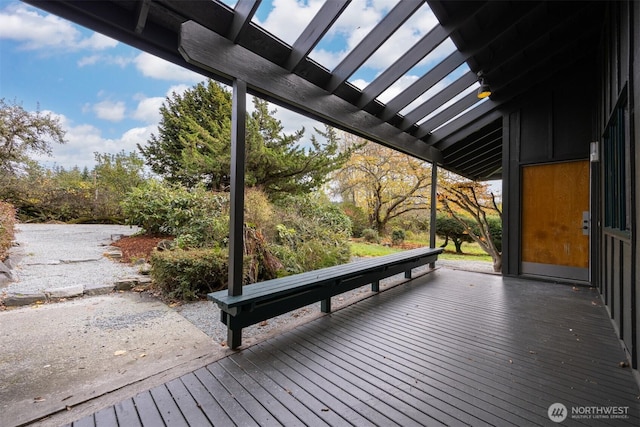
point(554, 196)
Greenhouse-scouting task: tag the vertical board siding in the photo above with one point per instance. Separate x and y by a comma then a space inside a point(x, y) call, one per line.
point(619, 55)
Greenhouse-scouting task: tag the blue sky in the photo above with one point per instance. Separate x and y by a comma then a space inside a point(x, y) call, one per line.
point(107, 94)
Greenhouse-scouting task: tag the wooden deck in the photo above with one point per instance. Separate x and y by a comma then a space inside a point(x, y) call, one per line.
point(448, 348)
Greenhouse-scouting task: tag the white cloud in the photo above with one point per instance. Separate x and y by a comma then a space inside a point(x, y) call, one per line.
point(416, 27)
point(288, 18)
point(120, 61)
point(157, 68)
point(39, 31)
point(148, 110)
point(110, 110)
point(293, 122)
point(178, 89)
point(84, 140)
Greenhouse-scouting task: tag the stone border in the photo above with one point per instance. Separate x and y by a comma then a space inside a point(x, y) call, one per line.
point(17, 299)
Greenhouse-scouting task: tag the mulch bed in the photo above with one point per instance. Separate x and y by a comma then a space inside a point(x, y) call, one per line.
point(136, 247)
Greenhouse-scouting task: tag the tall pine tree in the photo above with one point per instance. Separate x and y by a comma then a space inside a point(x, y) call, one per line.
point(193, 146)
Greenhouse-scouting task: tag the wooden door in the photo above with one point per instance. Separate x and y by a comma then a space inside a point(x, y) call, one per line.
point(554, 200)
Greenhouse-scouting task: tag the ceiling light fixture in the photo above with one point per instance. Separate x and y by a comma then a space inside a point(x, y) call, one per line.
point(484, 90)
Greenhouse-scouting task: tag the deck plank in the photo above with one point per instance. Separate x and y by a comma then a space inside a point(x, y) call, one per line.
point(106, 417)
point(370, 396)
point(188, 406)
point(254, 407)
point(234, 410)
point(126, 413)
point(312, 397)
point(205, 401)
point(450, 348)
point(284, 396)
point(147, 410)
point(167, 407)
point(88, 421)
point(264, 393)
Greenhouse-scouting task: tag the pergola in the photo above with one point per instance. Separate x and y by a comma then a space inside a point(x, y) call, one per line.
point(439, 117)
point(513, 45)
point(563, 79)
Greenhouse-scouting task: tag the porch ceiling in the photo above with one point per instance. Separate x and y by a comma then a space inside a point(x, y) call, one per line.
point(517, 45)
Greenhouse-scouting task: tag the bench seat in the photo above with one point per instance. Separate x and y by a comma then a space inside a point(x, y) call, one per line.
point(264, 300)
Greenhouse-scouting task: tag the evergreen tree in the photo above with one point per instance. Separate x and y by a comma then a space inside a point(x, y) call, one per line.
point(193, 146)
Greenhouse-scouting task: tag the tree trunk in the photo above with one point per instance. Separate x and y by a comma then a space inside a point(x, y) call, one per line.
point(497, 263)
point(458, 244)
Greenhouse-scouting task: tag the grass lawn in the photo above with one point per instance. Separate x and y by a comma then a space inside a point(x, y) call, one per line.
point(472, 251)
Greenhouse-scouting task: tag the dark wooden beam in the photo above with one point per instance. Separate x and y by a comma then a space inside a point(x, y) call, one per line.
point(244, 11)
point(217, 55)
point(471, 122)
point(372, 41)
point(236, 219)
point(407, 61)
point(447, 114)
point(313, 33)
point(438, 99)
point(142, 13)
point(423, 84)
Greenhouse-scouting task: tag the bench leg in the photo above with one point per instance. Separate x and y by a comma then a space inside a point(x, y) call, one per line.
point(375, 286)
point(407, 274)
point(234, 338)
point(325, 305)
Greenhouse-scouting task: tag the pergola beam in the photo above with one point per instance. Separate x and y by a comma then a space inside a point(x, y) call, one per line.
point(372, 41)
point(214, 53)
point(313, 33)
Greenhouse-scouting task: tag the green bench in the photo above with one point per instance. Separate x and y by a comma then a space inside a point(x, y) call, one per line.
point(264, 300)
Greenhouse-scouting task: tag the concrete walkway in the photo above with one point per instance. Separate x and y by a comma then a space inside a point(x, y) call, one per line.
point(56, 356)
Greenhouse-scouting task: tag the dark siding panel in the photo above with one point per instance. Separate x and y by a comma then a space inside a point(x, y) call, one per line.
point(571, 111)
point(626, 294)
point(614, 302)
point(635, 135)
point(535, 131)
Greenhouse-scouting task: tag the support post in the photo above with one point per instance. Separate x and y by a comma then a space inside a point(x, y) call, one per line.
point(236, 220)
point(375, 286)
point(325, 305)
point(434, 207)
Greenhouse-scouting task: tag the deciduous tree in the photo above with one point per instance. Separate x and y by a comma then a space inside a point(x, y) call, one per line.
point(23, 133)
point(383, 182)
point(475, 199)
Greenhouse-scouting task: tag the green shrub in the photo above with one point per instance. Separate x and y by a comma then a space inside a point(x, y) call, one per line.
point(397, 236)
point(196, 213)
point(311, 233)
point(188, 275)
point(314, 232)
point(7, 224)
point(370, 235)
point(358, 217)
